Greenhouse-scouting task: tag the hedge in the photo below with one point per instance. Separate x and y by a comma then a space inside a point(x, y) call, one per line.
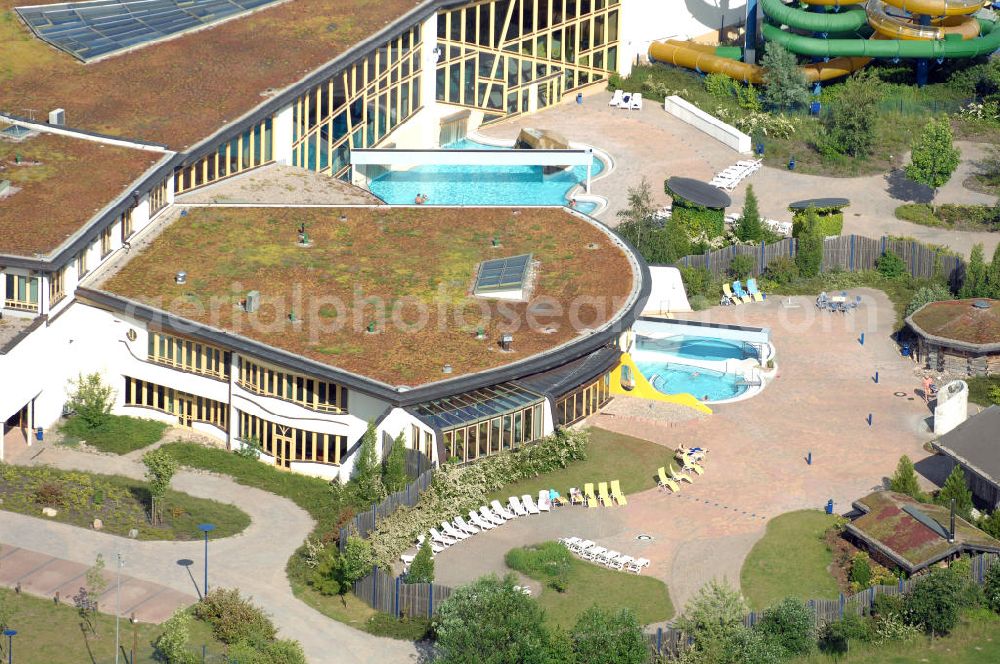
point(831, 221)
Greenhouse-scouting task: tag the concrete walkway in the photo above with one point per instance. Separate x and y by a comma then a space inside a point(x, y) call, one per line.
point(253, 561)
point(654, 145)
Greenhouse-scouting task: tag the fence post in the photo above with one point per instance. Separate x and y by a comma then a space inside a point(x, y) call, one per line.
point(882, 252)
point(659, 640)
point(852, 252)
point(430, 600)
point(841, 606)
point(375, 588)
point(763, 250)
point(397, 595)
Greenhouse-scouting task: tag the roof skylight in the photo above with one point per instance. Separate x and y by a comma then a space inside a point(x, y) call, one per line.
point(503, 277)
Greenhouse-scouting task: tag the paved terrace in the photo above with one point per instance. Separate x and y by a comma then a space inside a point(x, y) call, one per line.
point(654, 145)
point(756, 467)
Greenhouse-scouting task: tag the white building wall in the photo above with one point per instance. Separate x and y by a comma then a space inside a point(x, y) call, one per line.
point(282, 148)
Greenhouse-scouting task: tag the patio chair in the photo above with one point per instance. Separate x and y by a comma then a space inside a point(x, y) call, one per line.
point(492, 517)
point(453, 532)
point(593, 553)
point(608, 556)
point(544, 501)
point(856, 303)
point(616, 493)
point(467, 527)
point(516, 506)
point(626, 100)
point(754, 291)
point(588, 494)
point(691, 465)
point(407, 560)
point(679, 477)
point(665, 482)
point(480, 522)
point(727, 291)
point(637, 565)
point(569, 542)
point(575, 496)
point(616, 98)
point(582, 545)
point(603, 495)
point(635, 103)
point(696, 454)
point(620, 562)
point(442, 539)
point(822, 300)
point(435, 547)
point(740, 293)
point(501, 511)
point(529, 504)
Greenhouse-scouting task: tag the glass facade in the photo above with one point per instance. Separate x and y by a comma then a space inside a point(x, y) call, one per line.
point(583, 401)
point(252, 148)
point(187, 407)
point(188, 355)
point(358, 106)
point(495, 55)
point(21, 293)
point(308, 392)
point(287, 444)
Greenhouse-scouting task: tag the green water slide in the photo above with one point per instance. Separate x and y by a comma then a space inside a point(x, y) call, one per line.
point(850, 20)
point(953, 46)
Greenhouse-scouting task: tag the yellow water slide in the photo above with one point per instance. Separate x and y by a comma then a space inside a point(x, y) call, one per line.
point(954, 18)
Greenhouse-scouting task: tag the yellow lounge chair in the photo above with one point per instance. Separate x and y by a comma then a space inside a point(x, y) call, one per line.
point(588, 494)
point(616, 493)
point(727, 290)
point(678, 476)
point(603, 495)
point(691, 465)
point(665, 482)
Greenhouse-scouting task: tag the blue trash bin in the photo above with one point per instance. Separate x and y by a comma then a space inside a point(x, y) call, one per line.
point(760, 149)
point(905, 351)
point(829, 506)
point(814, 108)
point(579, 97)
point(791, 164)
point(38, 433)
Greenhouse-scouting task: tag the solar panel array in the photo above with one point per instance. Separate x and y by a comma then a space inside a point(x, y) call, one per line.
point(89, 30)
point(502, 274)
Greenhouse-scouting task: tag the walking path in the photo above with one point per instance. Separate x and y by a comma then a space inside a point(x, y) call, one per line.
point(654, 145)
point(253, 561)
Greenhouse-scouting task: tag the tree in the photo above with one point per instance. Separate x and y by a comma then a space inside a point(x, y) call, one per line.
point(356, 562)
point(851, 127)
point(784, 82)
point(956, 488)
point(394, 474)
point(367, 471)
point(991, 588)
point(325, 577)
point(659, 242)
point(934, 602)
point(925, 294)
point(749, 227)
point(904, 480)
point(713, 618)
point(891, 266)
point(422, 567)
point(491, 621)
point(934, 157)
point(160, 469)
point(975, 283)
point(171, 646)
point(91, 400)
point(790, 624)
point(742, 266)
point(600, 636)
point(993, 275)
point(809, 256)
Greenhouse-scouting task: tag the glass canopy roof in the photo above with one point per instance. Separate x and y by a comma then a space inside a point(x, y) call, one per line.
point(502, 274)
point(89, 30)
point(476, 405)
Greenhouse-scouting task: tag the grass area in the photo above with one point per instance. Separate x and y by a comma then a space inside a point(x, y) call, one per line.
point(610, 456)
point(790, 560)
point(979, 389)
point(121, 503)
point(119, 435)
point(955, 217)
point(976, 640)
point(586, 584)
point(54, 634)
point(352, 611)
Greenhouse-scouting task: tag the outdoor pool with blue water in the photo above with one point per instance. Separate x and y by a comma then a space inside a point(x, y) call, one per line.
point(699, 348)
point(704, 384)
point(482, 185)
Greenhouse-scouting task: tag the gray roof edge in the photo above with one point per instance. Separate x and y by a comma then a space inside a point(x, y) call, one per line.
point(947, 341)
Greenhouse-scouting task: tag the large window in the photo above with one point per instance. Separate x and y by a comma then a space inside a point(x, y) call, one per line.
point(584, 401)
point(106, 236)
point(21, 293)
point(287, 444)
point(496, 55)
point(252, 148)
point(188, 355)
point(157, 198)
point(187, 407)
point(126, 224)
point(57, 290)
point(357, 107)
point(311, 393)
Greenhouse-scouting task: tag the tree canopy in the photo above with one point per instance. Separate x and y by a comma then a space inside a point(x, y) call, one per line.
point(934, 157)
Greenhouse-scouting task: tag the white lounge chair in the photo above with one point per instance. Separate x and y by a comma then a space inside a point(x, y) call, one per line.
point(481, 522)
point(516, 505)
point(544, 502)
point(581, 546)
point(442, 539)
point(635, 103)
point(407, 561)
point(616, 98)
point(461, 524)
point(529, 504)
point(620, 562)
point(606, 557)
point(453, 532)
point(435, 547)
point(569, 542)
point(501, 511)
point(637, 565)
point(495, 519)
point(594, 552)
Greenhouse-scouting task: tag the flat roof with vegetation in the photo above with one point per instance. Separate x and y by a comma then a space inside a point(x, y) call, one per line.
point(419, 263)
point(973, 321)
point(62, 183)
point(180, 91)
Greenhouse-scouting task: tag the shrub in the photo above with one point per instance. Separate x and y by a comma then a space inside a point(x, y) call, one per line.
point(91, 399)
point(861, 571)
point(851, 126)
point(234, 619)
point(697, 281)
point(925, 294)
point(904, 480)
point(713, 615)
point(890, 627)
point(956, 488)
point(50, 494)
point(275, 652)
point(368, 485)
point(790, 624)
point(991, 588)
point(600, 635)
point(548, 560)
point(742, 266)
point(422, 567)
point(809, 257)
point(829, 221)
point(394, 473)
point(836, 636)
point(171, 646)
point(891, 266)
point(888, 604)
point(782, 270)
point(935, 601)
point(356, 561)
point(249, 448)
point(325, 576)
point(720, 86)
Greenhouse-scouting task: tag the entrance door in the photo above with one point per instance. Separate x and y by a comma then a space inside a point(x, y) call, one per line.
point(283, 445)
point(185, 411)
point(15, 433)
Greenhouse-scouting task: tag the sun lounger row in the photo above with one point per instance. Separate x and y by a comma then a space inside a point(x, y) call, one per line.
point(589, 550)
point(628, 100)
point(837, 303)
point(732, 176)
point(690, 460)
point(735, 294)
point(604, 495)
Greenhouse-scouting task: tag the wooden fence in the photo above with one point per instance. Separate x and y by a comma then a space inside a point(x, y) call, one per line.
point(392, 595)
point(364, 523)
point(852, 253)
point(671, 641)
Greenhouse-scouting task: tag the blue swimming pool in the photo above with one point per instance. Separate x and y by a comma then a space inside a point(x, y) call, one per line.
point(482, 185)
point(703, 384)
point(698, 348)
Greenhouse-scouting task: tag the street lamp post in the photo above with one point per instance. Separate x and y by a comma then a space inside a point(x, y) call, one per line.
point(10, 634)
point(118, 601)
point(206, 528)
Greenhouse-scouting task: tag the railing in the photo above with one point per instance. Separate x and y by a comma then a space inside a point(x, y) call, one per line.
point(393, 596)
point(18, 305)
point(671, 641)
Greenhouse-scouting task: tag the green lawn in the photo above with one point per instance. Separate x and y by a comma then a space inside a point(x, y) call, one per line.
point(121, 503)
point(588, 584)
point(790, 560)
point(610, 456)
point(52, 633)
point(119, 435)
point(975, 641)
point(979, 389)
